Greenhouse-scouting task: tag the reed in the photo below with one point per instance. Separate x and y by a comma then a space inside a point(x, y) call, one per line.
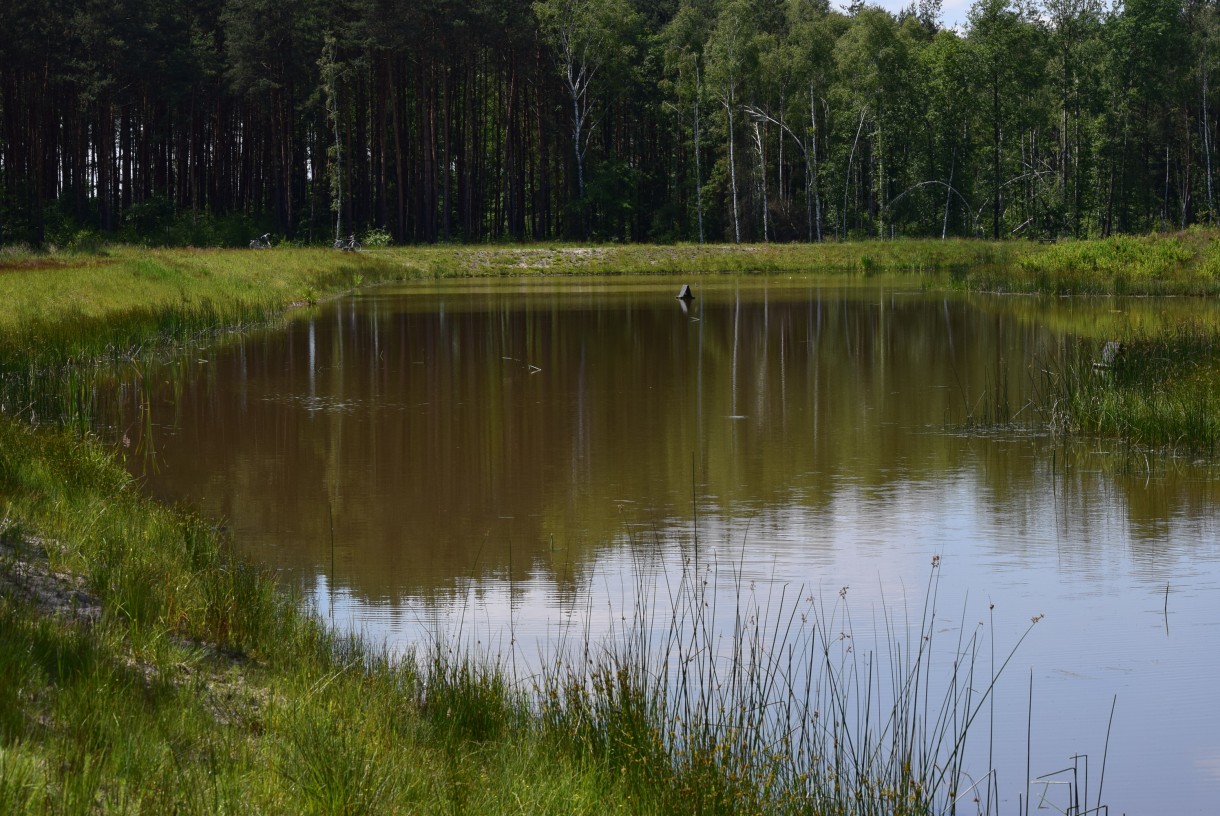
point(789, 710)
point(1181, 264)
point(990, 409)
point(1159, 393)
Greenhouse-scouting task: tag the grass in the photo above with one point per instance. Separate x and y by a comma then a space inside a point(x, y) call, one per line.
point(200, 687)
point(1186, 263)
point(1160, 392)
point(920, 257)
point(45, 291)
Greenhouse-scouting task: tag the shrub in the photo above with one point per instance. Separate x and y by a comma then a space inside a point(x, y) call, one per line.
point(377, 238)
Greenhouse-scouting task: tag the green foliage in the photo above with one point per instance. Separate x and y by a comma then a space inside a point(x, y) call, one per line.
point(1160, 391)
point(376, 238)
point(1122, 265)
point(776, 120)
point(332, 764)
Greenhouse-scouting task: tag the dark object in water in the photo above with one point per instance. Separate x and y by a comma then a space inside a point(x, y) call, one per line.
point(1111, 355)
point(685, 293)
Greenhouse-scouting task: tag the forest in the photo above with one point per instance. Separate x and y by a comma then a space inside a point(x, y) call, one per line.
point(205, 122)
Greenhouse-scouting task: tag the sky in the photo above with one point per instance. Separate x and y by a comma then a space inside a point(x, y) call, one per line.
point(953, 13)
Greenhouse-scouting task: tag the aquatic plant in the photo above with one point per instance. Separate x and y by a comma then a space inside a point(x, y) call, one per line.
point(787, 709)
point(1159, 392)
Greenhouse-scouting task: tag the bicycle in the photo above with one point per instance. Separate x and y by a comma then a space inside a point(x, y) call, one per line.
point(348, 244)
point(262, 242)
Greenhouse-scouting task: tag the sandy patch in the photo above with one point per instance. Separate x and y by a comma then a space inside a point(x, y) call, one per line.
point(26, 574)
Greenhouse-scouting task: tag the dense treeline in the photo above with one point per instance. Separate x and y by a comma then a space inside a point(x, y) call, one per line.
point(203, 121)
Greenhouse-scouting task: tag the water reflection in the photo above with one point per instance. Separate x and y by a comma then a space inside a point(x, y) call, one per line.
point(522, 452)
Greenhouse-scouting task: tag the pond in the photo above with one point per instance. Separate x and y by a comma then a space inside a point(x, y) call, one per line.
point(514, 461)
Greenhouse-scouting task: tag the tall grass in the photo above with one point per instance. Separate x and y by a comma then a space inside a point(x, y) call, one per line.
point(1182, 264)
point(1162, 391)
point(786, 709)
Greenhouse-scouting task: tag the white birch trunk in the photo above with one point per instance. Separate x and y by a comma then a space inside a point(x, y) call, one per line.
point(762, 176)
point(1207, 140)
point(728, 104)
point(698, 169)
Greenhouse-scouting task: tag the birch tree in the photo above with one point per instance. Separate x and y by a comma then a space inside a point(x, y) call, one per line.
point(730, 57)
point(1001, 33)
point(587, 36)
point(874, 62)
point(1205, 23)
point(810, 57)
point(685, 37)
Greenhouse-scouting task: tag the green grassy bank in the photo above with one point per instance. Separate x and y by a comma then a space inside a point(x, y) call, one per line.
point(142, 670)
point(42, 290)
point(1182, 264)
point(1186, 263)
point(66, 306)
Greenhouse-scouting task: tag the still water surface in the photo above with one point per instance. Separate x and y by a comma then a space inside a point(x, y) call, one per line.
point(496, 455)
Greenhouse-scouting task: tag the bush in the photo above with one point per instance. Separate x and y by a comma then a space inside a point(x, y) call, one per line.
point(377, 238)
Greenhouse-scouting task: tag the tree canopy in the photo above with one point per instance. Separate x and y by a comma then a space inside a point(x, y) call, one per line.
point(207, 121)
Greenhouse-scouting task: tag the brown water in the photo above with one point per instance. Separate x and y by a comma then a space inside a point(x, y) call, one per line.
point(516, 458)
